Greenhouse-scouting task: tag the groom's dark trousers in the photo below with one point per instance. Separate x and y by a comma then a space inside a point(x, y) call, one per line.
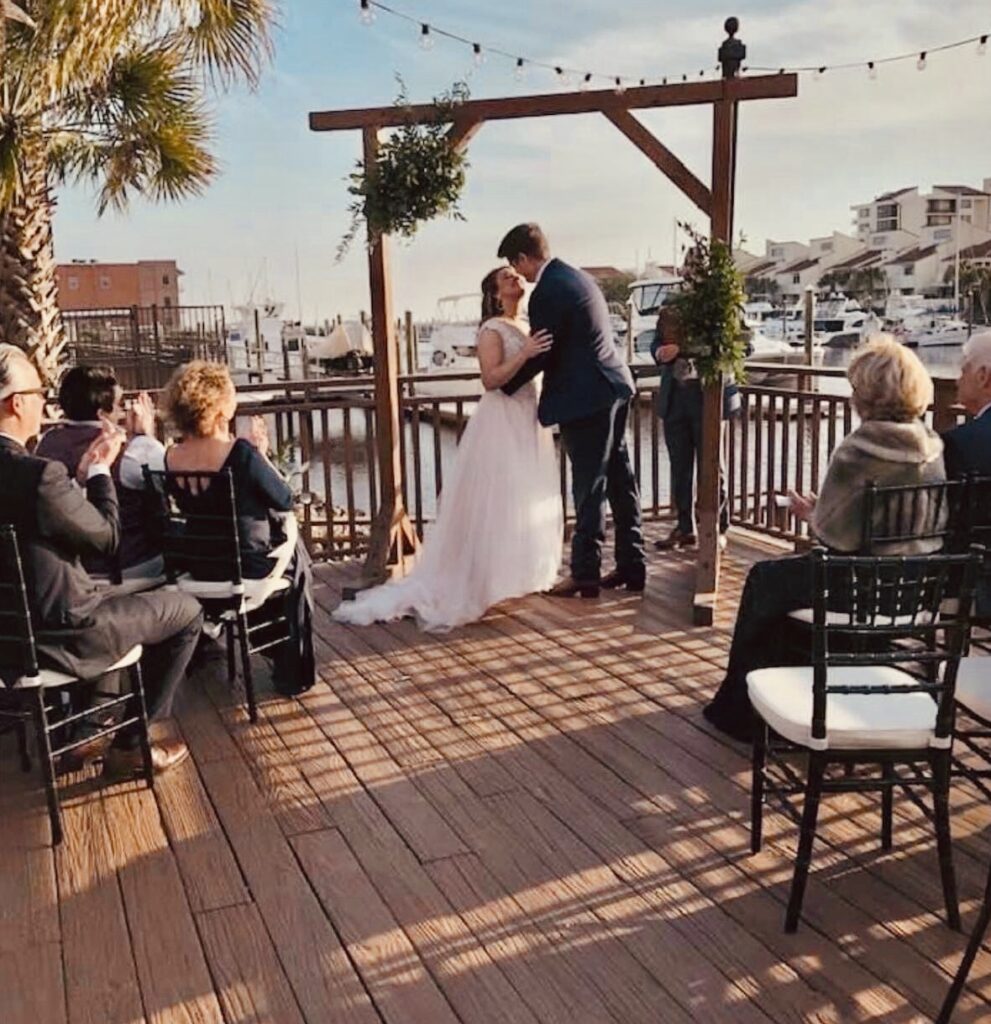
point(586, 391)
point(601, 471)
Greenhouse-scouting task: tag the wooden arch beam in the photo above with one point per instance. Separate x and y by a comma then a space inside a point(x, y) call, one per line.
point(463, 131)
point(662, 158)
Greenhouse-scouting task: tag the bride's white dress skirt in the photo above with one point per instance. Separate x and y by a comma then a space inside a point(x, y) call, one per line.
point(499, 525)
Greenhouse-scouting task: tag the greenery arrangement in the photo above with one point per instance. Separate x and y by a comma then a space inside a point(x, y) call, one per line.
point(119, 95)
point(417, 175)
point(710, 309)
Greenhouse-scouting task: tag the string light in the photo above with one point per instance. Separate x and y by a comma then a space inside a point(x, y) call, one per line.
point(428, 33)
point(620, 87)
point(585, 82)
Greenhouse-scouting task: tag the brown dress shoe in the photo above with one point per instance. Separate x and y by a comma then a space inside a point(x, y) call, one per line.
point(166, 754)
point(574, 588)
point(75, 760)
point(677, 538)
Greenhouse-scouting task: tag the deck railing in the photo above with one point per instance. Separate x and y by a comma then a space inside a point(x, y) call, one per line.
point(792, 418)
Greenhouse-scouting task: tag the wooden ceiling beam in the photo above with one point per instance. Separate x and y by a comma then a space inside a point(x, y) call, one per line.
point(462, 131)
point(662, 158)
point(600, 101)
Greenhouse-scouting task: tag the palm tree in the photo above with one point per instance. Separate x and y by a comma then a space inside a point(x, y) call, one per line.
point(975, 280)
point(115, 93)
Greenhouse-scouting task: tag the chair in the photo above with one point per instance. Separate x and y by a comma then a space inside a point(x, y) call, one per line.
point(202, 552)
point(24, 686)
point(879, 691)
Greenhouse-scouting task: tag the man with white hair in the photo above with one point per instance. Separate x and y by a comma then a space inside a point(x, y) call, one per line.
point(81, 629)
point(968, 447)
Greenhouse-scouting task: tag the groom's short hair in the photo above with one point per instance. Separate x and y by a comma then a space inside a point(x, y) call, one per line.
point(524, 240)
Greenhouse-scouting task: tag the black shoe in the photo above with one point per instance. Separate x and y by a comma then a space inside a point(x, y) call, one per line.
point(575, 588)
point(633, 580)
point(677, 538)
point(738, 727)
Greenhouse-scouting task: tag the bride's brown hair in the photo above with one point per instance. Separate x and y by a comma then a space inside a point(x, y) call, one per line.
point(491, 306)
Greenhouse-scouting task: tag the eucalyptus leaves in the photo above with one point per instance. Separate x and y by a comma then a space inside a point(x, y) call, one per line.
point(710, 309)
point(417, 175)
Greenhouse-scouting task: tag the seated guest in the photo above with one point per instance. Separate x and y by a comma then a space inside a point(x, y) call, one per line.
point(90, 397)
point(968, 447)
point(200, 401)
point(81, 629)
point(891, 391)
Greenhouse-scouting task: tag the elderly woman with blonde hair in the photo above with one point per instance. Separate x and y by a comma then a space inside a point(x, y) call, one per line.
point(891, 390)
point(200, 402)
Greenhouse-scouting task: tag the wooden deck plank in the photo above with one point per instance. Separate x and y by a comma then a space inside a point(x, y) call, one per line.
point(402, 988)
point(251, 984)
point(323, 979)
point(176, 987)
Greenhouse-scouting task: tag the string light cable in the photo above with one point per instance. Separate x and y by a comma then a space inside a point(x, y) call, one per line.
point(368, 9)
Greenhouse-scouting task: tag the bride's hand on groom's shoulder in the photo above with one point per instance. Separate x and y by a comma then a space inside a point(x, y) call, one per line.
point(538, 343)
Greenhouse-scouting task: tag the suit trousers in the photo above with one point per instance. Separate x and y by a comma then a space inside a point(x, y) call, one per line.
point(683, 439)
point(601, 470)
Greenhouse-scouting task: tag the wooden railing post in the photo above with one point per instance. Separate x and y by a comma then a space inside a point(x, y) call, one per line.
point(944, 399)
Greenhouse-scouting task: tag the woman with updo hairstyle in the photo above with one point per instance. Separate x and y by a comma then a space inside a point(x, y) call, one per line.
point(200, 402)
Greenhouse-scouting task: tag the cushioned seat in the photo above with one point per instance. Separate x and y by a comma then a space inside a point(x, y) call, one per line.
point(974, 685)
point(843, 618)
point(48, 677)
point(783, 698)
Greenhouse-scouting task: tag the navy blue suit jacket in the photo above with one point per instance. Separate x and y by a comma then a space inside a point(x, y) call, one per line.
point(967, 448)
point(584, 371)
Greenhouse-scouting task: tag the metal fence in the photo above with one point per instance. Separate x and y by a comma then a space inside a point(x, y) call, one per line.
point(143, 344)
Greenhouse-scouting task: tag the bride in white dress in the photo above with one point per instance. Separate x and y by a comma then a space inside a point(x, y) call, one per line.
point(499, 523)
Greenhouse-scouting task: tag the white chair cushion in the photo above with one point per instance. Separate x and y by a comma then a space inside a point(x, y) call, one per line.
point(974, 684)
point(48, 677)
point(843, 618)
point(254, 593)
point(903, 721)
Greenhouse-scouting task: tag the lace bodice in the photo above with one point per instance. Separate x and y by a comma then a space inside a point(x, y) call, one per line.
point(512, 333)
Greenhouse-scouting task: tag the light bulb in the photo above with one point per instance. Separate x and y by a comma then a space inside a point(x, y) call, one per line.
point(982, 46)
point(921, 62)
point(817, 77)
point(477, 56)
point(586, 82)
point(872, 71)
point(366, 15)
point(520, 73)
point(563, 77)
point(620, 87)
point(426, 39)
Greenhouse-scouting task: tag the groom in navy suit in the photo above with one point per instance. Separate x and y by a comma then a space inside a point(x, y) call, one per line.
point(587, 390)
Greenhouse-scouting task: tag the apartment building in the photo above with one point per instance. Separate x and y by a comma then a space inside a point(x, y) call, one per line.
point(86, 284)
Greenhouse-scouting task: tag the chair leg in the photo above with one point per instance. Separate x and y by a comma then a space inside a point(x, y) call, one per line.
point(44, 747)
point(249, 682)
point(944, 846)
point(143, 738)
point(22, 745)
point(973, 946)
point(757, 788)
point(229, 628)
point(887, 806)
point(810, 815)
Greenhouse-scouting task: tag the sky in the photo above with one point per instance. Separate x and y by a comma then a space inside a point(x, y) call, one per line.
point(280, 200)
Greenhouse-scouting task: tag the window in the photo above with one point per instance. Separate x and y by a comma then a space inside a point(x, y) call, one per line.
point(777, 252)
point(943, 235)
point(104, 282)
point(165, 278)
point(825, 247)
point(166, 302)
point(936, 219)
point(965, 204)
point(908, 270)
point(941, 206)
point(73, 284)
point(864, 213)
point(887, 217)
point(796, 278)
point(881, 240)
point(966, 218)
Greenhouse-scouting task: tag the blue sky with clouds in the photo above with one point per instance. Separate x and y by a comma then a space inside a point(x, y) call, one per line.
point(802, 162)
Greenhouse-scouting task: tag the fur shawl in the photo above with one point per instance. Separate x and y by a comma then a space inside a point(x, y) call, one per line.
point(884, 452)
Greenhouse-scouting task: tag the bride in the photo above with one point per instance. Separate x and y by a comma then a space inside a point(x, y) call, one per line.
point(499, 523)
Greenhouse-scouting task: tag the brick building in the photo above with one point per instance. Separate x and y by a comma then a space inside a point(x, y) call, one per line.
point(86, 284)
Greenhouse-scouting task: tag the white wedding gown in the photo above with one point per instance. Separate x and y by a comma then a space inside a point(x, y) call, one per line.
point(499, 523)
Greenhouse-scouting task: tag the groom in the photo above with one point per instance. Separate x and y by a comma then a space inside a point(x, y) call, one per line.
point(587, 390)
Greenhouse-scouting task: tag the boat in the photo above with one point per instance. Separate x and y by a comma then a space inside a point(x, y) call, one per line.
point(452, 340)
point(258, 343)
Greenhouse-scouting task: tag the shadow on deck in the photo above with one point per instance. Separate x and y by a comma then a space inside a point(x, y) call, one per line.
point(523, 820)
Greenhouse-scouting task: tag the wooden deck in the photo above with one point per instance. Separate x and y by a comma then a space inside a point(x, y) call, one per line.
point(525, 820)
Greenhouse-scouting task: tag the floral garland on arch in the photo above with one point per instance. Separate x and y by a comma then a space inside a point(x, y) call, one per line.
point(417, 175)
point(710, 310)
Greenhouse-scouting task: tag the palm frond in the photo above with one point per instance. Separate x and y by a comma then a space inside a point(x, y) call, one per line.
point(231, 39)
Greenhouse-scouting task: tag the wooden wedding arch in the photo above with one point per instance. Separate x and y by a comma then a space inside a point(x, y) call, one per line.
point(392, 534)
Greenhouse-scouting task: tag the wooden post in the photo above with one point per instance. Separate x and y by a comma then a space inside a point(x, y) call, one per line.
point(810, 316)
point(707, 499)
point(944, 399)
point(392, 535)
point(411, 360)
point(629, 332)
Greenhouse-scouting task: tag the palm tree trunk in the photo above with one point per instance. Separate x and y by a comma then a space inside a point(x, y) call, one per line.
point(29, 312)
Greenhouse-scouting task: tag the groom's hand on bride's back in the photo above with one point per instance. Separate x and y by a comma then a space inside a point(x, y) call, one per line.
point(538, 343)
